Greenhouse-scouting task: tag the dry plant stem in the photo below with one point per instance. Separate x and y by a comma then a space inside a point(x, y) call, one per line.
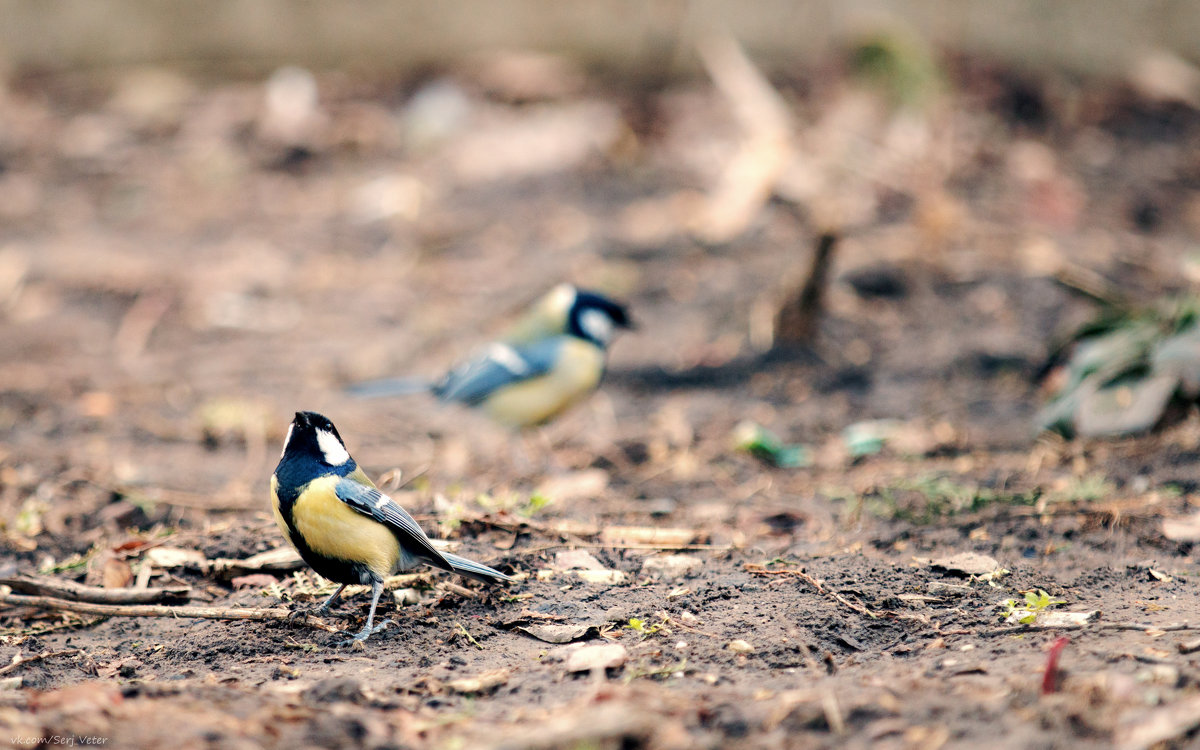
point(151, 610)
point(1090, 284)
point(18, 663)
point(1017, 629)
point(749, 177)
point(762, 570)
point(39, 586)
point(797, 319)
point(635, 547)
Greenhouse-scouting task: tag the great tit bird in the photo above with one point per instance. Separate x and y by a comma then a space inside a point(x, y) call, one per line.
point(342, 525)
point(552, 358)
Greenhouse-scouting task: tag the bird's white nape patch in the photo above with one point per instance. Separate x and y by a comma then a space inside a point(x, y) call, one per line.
point(507, 357)
point(332, 449)
point(287, 439)
point(597, 325)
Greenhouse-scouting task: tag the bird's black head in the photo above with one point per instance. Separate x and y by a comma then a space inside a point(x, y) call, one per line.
point(313, 438)
point(595, 318)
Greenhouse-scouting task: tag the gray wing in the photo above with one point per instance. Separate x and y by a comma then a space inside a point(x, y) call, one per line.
point(371, 502)
point(497, 366)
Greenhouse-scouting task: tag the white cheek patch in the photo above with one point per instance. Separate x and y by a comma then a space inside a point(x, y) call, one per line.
point(287, 439)
point(597, 325)
point(507, 357)
point(331, 448)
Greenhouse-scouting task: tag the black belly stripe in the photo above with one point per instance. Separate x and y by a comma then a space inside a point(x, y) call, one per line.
point(333, 568)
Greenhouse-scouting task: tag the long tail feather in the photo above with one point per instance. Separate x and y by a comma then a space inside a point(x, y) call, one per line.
point(472, 569)
point(387, 387)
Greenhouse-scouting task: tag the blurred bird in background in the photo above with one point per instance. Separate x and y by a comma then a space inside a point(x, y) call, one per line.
point(550, 359)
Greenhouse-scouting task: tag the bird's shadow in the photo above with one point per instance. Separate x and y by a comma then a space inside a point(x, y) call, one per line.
point(735, 372)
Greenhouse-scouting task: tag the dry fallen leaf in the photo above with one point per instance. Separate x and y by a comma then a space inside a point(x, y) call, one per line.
point(577, 559)
point(1152, 727)
point(254, 580)
point(551, 633)
point(174, 557)
point(671, 567)
point(578, 485)
point(664, 537)
point(610, 577)
point(116, 574)
point(597, 657)
point(480, 683)
point(1053, 619)
point(79, 699)
point(1182, 528)
point(965, 563)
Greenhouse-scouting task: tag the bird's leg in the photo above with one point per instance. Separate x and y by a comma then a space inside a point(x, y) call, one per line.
point(324, 608)
point(368, 630)
point(321, 610)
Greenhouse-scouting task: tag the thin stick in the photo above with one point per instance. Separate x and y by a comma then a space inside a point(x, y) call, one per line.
point(152, 610)
point(762, 570)
point(42, 586)
point(797, 319)
point(1018, 629)
point(637, 546)
point(19, 662)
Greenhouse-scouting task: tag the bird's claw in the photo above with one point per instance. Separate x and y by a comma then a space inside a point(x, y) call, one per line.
point(301, 614)
point(304, 613)
point(365, 633)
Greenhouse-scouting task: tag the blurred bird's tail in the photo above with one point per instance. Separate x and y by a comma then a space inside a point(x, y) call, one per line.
point(389, 387)
point(472, 569)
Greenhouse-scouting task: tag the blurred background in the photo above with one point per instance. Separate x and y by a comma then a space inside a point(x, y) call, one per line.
point(910, 279)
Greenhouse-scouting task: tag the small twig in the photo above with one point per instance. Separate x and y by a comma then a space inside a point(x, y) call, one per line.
point(1090, 284)
point(18, 662)
point(43, 586)
point(463, 632)
point(152, 610)
point(454, 588)
point(279, 560)
point(688, 628)
point(1034, 628)
point(762, 570)
point(798, 316)
point(643, 547)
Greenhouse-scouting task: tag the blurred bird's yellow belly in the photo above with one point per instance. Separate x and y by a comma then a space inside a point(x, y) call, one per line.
point(333, 529)
point(530, 402)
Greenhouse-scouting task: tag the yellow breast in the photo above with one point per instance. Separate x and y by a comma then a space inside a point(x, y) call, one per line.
point(576, 374)
point(333, 529)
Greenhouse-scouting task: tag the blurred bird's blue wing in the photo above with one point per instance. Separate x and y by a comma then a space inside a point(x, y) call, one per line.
point(496, 367)
point(372, 503)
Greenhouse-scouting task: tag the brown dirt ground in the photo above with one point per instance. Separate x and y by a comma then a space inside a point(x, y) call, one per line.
point(176, 278)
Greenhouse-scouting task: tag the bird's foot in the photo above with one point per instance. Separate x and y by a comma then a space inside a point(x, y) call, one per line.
point(365, 633)
point(302, 614)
